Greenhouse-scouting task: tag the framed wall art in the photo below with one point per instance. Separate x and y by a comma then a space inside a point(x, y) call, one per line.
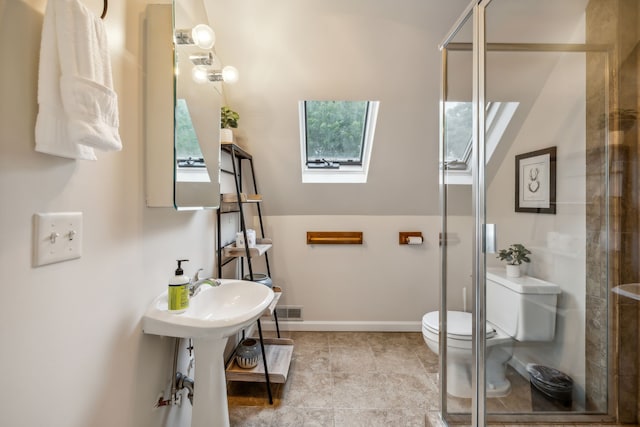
point(536, 181)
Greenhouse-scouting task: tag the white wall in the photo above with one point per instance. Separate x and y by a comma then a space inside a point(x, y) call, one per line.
point(379, 285)
point(73, 352)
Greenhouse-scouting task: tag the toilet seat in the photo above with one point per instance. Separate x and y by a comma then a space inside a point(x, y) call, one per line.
point(459, 354)
point(459, 325)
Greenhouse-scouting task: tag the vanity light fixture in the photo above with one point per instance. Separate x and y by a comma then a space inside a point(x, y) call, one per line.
point(202, 58)
point(201, 35)
point(202, 74)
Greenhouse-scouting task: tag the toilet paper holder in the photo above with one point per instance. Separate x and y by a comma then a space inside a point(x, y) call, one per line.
point(410, 238)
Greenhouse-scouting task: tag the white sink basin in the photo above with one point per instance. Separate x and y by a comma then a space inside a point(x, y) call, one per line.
point(214, 314)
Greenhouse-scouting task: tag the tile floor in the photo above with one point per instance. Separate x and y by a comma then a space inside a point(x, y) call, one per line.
point(345, 379)
point(353, 379)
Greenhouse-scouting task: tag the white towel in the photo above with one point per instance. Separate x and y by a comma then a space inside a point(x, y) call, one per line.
point(78, 108)
point(51, 123)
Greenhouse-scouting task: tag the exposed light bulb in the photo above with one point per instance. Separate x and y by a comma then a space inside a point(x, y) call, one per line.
point(200, 74)
point(230, 74)
point(203, 36)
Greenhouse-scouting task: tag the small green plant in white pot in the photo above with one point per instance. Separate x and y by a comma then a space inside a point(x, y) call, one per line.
point(228, 120)
point(514, 255)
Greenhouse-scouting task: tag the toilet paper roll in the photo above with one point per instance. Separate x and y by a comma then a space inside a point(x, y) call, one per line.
point(414, 240)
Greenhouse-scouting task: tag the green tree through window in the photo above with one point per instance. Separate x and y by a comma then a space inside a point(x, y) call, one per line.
point(458, 126)
point(335, 130)
point(187, 145)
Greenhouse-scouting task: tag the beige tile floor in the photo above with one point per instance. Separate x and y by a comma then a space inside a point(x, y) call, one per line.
point(353, 379)
point(345, 379)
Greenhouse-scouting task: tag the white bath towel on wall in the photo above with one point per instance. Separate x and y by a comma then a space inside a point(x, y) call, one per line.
point(52, 136)
point(78, 109)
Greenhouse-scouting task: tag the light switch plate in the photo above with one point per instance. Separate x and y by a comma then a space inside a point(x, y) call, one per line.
point(57, 237)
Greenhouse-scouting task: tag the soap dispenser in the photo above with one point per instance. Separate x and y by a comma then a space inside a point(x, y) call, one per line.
point(178, 294)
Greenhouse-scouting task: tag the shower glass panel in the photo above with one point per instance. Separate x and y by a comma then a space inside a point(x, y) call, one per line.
point(457, 212)
point(536, 194)
point(542, 99)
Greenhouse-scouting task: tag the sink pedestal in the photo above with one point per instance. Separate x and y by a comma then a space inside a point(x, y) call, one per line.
point(210, 407)
point(214, 314)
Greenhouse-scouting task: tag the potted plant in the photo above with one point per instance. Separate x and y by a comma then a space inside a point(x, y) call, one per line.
point(228, 120)
point(515, 255)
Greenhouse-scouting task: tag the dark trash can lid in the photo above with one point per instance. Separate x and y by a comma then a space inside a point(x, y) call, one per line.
point(549, 379)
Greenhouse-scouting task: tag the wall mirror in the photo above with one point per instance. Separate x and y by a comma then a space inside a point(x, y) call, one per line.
point(182, 115)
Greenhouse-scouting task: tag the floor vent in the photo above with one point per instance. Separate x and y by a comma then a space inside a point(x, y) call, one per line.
point(289, 312)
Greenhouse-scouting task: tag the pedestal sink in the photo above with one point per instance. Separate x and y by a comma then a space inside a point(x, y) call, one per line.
point(213, 315)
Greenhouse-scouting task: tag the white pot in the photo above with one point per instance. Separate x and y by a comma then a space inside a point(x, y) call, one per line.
point(513, 270)
point(226, 135)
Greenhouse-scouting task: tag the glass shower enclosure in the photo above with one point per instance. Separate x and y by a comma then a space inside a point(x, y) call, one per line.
point(531, 155)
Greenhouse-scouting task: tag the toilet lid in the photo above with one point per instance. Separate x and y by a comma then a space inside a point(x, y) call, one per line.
point(459, 324)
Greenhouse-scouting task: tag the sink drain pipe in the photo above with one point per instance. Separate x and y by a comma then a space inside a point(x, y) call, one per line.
point(183, 381)
point(179, 380)
point(174, 371)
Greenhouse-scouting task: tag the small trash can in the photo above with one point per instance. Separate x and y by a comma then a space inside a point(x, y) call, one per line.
point(551, 390)
point(260, 278)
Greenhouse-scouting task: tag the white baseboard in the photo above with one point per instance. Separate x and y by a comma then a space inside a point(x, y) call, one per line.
point(343, 326)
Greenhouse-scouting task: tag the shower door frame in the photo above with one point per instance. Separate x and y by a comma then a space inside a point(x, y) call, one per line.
point(479, 47)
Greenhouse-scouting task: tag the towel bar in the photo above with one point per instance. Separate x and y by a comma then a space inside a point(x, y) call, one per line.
point(334, 237)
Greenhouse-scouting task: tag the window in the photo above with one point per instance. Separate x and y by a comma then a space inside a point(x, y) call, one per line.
point(189, 158)
point(336, 140)
point(458, 135)
point(188, 153)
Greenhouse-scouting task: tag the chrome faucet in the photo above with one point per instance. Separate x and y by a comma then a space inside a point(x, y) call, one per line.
point(196, 283)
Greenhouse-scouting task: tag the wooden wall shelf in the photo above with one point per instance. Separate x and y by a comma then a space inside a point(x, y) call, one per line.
point(262, 246)
point(334, 237)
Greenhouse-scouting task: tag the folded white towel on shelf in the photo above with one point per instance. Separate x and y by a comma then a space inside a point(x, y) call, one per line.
point(78, 109)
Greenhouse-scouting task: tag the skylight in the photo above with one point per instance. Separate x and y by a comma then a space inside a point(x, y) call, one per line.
point(188, 153)
point(190, 162)
point(458, 135)
point(336, 140)
point(458, 122)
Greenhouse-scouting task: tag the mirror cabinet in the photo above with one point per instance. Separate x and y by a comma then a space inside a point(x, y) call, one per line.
point(182, 116)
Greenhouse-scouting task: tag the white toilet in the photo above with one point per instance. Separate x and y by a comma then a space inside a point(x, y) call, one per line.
point(518, 309)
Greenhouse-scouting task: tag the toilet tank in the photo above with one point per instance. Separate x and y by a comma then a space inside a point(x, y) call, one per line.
point(523, 307)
